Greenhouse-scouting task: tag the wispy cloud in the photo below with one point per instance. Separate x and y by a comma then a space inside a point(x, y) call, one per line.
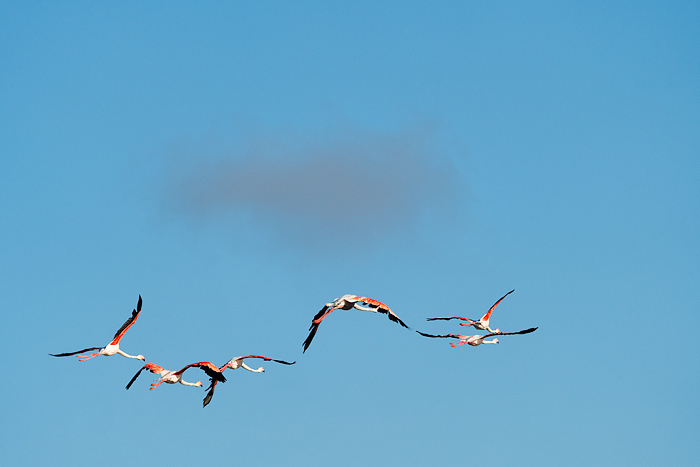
point(354, 185)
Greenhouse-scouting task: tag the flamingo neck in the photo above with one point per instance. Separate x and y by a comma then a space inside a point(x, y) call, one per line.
point(259, 370)
point(124, 354)
point(187, 384)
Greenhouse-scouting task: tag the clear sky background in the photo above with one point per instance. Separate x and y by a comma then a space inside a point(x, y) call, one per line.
point(241, 163)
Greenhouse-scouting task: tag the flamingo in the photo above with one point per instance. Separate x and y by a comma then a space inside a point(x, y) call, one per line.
point(477, 339)
point(482, 324)
point(170, 377)
point(347, 302)
point(216, 374)
point(113, 347)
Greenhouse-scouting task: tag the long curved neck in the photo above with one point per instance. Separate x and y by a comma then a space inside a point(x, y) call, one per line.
point(187, 384)
point(259, 370)
point(121, 352)
point(490, 342)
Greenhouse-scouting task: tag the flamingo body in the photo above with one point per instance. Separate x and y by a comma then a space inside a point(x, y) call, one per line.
point(347, 302)
point(169, 377)
point(476, 339)
point(113, 347)
point(482, 324)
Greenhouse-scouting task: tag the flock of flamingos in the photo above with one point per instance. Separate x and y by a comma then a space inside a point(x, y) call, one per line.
point(346, 302)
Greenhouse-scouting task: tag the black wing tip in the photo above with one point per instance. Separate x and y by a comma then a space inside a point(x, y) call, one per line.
point(210, 394)
point(140, 302)
point(310, 337)
point(283, 362)
point(307, 342)
point(134, 378)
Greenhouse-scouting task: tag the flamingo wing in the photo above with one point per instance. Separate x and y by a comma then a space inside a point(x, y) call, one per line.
point(152, 367)
point(128, 323)
point(488, 313)
point(210, 392)
point(471, 321)
point(67, 354)
point(323, 313)
point(267, 359)
point(381, 308)
point(320, 316)
point(138, 373)
point(499, 333)
point(213, 371)
point(310, 337)
point(450, 336)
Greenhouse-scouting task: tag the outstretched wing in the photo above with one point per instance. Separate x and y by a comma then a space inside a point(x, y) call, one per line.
point(152, 367)
point(209, 368)
point(488, 313)
point(499, 333)
point(68, 354)
point(135, 376)
point(470, 321)
point(310, 337)
point(267, 359)
point(323, 312)
point(450, 336)
point(320, 316)
point(128, 323)
point(381, 308)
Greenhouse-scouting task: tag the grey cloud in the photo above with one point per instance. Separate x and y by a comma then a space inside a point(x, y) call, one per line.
point(358, 185)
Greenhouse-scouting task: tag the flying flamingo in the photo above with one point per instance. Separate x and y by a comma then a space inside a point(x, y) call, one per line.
point(216, 374)
point(347, 302)
point(476, 339)
point(170, 377)
point(483, 323)
point(113, 347)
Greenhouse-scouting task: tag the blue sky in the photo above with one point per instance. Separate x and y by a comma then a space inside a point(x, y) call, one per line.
point(239, 164)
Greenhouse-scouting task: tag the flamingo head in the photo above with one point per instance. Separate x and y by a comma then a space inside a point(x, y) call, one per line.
point(495, 341)
point(261, 369)
point(198, 384)
point(141, 357)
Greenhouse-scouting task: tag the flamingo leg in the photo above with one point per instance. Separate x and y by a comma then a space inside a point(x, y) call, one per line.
point(155, 385)
point(472, 323)
point(87, 357)
point(458, 343)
